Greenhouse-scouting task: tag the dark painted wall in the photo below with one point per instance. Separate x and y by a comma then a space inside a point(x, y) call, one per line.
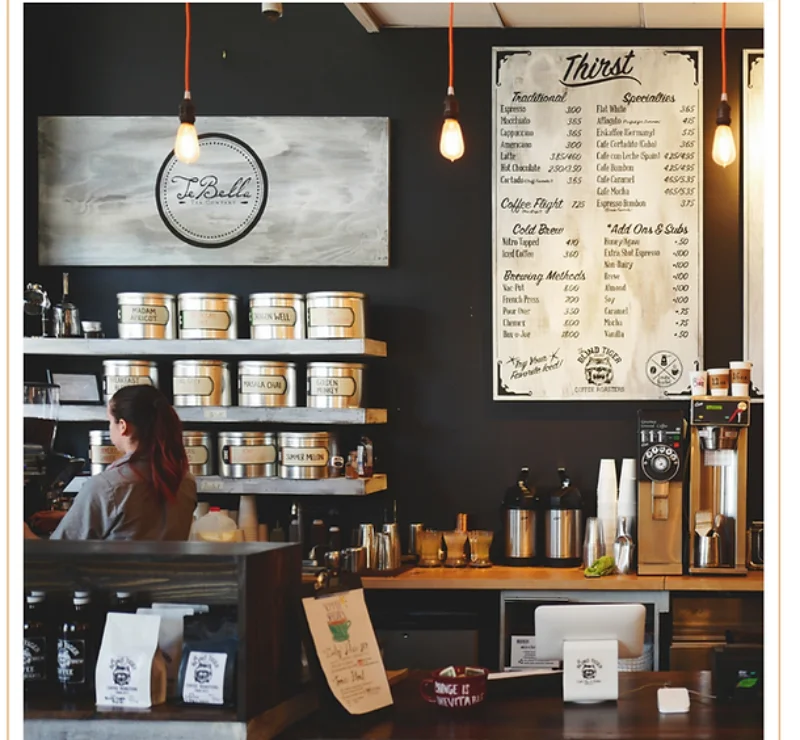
point(448, 447)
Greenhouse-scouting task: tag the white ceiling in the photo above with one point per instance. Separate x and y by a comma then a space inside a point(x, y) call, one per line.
point(375, 16)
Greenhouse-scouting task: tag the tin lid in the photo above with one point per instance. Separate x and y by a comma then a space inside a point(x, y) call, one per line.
point(278, 296)
point(260, 364)
point(335, 294)
point(195, 434)
point(261, 436)
point(215, 296)
point(103, 434)
point(195, 363)
point(132, 363)
point(138, 296)
point(339, 365)
point(284, 437)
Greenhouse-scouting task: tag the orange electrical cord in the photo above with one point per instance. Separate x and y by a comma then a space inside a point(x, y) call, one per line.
point(450, 44)
point(724, 62)
point(188, 38)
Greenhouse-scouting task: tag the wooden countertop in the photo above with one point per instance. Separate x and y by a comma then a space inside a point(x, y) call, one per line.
point(507, 578)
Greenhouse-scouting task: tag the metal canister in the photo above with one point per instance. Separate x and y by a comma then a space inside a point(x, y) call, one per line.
point(304, 455)
point(120, 373)
point(277, 316)
point(146, 316)
point(199, 449)
point(207, 316)
point(201, 383)
point(337, 385)
point(335, 314)
point(267, 383)
point(101, 451)
point(247, 454)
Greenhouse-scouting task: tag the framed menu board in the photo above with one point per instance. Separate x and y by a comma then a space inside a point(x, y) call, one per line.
point(753, 186)
point(597, 222)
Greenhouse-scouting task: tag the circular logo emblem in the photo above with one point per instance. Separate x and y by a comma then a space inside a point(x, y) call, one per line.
point(217, 200)
point(598, 370)
point(664, 369)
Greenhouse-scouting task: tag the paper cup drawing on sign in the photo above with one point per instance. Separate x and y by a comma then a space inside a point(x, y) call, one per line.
point(338, 623)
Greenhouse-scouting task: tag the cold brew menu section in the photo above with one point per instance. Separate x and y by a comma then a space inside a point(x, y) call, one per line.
point(597, 241)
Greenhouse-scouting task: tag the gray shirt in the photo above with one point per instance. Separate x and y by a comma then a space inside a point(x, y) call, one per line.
point(118, 504)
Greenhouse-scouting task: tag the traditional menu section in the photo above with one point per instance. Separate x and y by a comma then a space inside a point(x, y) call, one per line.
point(597, 162)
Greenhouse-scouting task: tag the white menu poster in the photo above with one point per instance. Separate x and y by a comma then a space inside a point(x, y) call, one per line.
point(348, 650)
point(753, 186)
point(597, 232)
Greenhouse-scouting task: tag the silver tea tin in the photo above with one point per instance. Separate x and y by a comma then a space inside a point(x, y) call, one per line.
point(304, 455)
point(101, 451)
point(247, 455)
point(199, 450)
point(277, 316)
point(336, 315)
point(334, 385)
point(207, 316)
point(146, 316)
point(267, 383)
point(201, 383)
point(120, 373)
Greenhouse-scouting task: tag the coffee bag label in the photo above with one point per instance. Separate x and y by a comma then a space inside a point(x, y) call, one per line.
point(331, 317)
point(331, 387)
point(114, 382)
point(144, 315)
point(218, 320)
point(34, 659)
point(313, 457)
point(71, 661)
point(205, 678)
point(251, 455)
point(192, 386)
point(273, 316)
point(263, 385)
point(197, 454)
point(122, 682)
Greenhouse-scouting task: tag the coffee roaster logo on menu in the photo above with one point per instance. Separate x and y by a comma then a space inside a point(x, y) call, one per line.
point(219, 199)
point(581, 71)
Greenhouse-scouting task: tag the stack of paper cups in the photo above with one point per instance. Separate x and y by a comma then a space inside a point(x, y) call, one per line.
point(248, 518)
point(607, 501)
point(626, 505)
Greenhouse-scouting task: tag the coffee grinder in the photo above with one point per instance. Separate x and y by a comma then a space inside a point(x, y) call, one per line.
point(718, 485)
point(661, 440)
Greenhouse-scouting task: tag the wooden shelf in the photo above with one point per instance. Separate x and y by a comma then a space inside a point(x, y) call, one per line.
point(240, 414)
point(195, 348)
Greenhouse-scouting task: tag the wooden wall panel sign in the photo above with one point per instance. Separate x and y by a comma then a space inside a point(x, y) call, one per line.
point(753, 134)
point(597, 230)
point(265, 191)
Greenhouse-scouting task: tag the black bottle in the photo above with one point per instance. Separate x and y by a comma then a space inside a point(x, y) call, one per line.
point(124, 601)
point(77, 648)
point(39, 646)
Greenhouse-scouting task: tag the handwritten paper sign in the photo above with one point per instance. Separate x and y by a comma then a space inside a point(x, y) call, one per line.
point(597, 193)
point(348, 650)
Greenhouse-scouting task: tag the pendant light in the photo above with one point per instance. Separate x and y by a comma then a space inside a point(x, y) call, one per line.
point(451, 143)
point(187, 146)
point(724, 150)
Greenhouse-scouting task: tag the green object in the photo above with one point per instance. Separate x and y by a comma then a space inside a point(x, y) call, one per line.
point(747, 683)
point(603, 566)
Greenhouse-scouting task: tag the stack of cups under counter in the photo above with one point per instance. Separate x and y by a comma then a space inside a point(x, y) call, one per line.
point(626, 505)
point(607, 501)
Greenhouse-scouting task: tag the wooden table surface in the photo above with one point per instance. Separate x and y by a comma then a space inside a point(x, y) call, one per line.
point(542, 716)
point(507, 578)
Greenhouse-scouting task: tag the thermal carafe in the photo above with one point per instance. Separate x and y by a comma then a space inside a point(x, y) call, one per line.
point(563, 525)
point(520, 508)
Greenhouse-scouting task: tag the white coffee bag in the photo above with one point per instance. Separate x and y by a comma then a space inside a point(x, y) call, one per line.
point(130, 669)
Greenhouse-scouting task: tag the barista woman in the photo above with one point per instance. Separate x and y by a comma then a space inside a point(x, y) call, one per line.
point(148, 493)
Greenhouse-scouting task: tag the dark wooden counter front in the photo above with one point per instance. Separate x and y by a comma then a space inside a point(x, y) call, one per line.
point(545, 717)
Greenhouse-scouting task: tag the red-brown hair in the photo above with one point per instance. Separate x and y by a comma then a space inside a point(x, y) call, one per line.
point(158, 432)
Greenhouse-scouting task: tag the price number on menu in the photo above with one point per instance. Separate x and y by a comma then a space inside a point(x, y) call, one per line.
point(572, 300)
point(680, 288)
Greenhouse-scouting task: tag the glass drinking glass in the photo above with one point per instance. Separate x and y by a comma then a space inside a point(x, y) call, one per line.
point(455, 542)
point(479, 543)
point(40, 414)
point(429, 541)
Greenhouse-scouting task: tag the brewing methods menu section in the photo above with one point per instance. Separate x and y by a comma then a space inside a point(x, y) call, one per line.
point(597, 161)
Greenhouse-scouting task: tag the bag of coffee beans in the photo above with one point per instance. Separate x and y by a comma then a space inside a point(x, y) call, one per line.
point(208, 664)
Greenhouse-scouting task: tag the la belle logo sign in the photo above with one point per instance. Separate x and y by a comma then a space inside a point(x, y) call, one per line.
point(219, 199)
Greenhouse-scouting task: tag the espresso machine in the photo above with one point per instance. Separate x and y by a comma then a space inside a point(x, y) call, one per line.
point(661, 438)
point(718, 485)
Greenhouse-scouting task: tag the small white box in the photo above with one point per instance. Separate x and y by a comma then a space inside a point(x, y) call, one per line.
point(673, 701)
point(590, 670)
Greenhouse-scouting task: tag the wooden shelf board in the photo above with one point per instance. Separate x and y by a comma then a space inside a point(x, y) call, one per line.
point(109, 348)
point(752, 581)
point(280, 486)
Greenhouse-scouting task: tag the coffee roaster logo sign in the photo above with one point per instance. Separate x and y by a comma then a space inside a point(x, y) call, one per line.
point(664, 369)
point(589, 668)
point(598, 365)
point(219, 199)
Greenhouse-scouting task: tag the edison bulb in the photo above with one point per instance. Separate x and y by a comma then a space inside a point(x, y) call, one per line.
point(187, 145)
point(451, 145)
point(724, 149)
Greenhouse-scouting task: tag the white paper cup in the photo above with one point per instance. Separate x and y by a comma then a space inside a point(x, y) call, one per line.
point(740, 377)
point(719, 380)
point(699, 381)
point(628, 470)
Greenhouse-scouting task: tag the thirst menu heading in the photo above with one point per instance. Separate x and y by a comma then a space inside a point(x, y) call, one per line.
point(597, 239)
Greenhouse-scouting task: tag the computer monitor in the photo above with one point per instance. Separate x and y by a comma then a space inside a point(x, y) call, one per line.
point(558, 623)
point(590, 639)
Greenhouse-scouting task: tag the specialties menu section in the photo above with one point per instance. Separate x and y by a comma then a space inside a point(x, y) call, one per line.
point(597, 238)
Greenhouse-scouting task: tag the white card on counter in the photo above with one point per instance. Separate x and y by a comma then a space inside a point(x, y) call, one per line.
point(523, 654)
point(348, 650)
point(205, 678)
